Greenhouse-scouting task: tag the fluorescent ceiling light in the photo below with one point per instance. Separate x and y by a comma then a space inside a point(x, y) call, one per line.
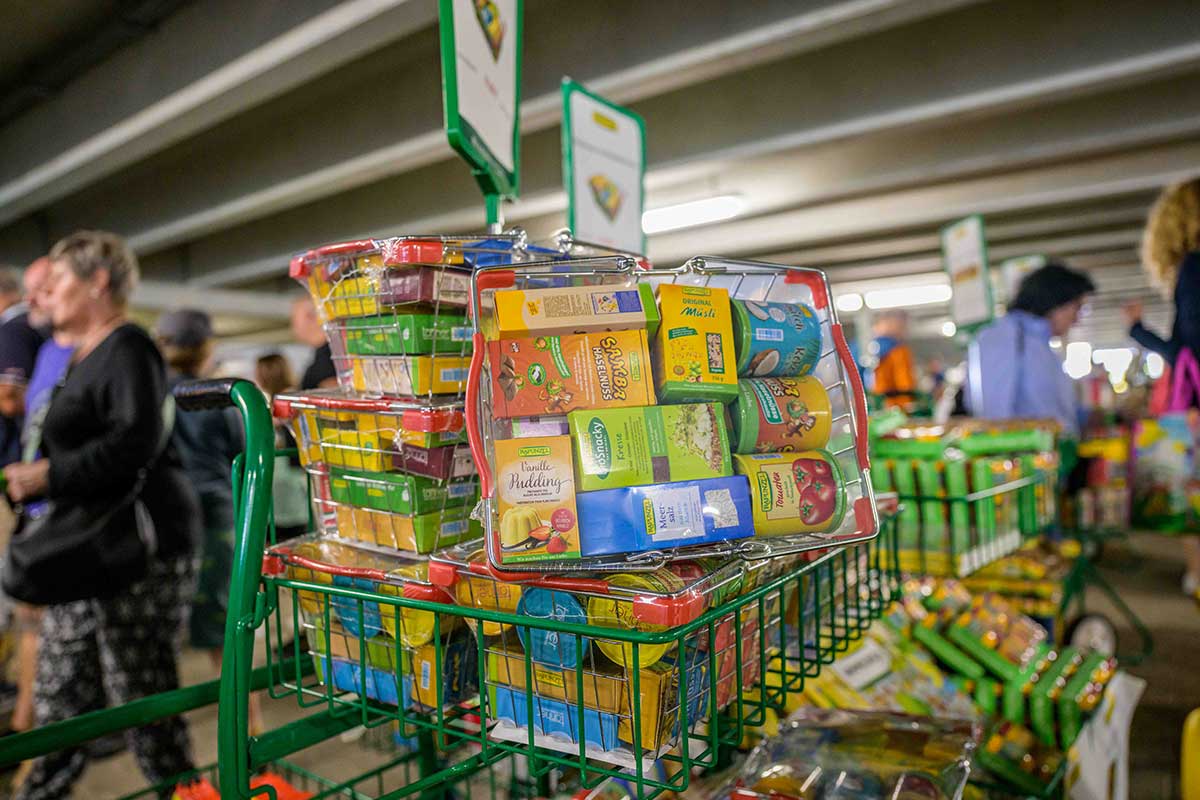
point(908, 296)
point(1155, 366)
point(1078, 362)
point(849, 302)
point(692, 213)
point(949, 328)
point(1116, 360)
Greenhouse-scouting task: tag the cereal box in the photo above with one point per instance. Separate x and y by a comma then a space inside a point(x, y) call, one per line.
point(575, 309)
point(535, 490)
point(654, 444)
point(694, 355)
point(548, 375)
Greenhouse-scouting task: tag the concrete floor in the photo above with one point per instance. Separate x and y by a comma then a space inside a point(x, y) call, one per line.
point(1149, 582)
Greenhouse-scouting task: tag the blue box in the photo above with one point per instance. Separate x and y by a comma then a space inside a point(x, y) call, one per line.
point(555, 718)
point(679, 514)
point(348, 677)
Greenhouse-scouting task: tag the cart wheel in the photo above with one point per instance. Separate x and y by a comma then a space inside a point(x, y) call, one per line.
point(1093, 633)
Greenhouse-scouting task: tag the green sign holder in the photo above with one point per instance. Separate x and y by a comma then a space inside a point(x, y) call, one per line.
point(981, 281)
point(476, 104)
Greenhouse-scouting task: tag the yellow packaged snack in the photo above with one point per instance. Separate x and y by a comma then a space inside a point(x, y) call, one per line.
point(694, 355)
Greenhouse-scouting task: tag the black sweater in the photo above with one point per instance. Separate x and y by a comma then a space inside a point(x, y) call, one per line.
point(1185, 332)
point(104, 425)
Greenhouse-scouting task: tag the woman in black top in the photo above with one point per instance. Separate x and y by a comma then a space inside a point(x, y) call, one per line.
point(1171, 256)
point(103, 429)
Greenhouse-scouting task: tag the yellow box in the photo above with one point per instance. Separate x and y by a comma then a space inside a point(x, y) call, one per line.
point(694, 355)
point(410, 375)
point(565, 310)
point(608, 690)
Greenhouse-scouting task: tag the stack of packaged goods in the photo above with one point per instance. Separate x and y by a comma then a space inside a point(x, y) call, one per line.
point(1102, 504)
point(391, 475)
point(965, 501)
point(642, 452)
point(658, 449)
point(941, 652)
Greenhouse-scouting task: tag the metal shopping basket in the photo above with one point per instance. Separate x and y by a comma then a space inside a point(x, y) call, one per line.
point(743, 280)
point(696, 658)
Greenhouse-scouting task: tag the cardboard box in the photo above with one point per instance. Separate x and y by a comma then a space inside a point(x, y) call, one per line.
point(410, 376)
point(440, 463)
point(694, 356)
point(399, 493)
point(637, 518)
point(575, 309)
point(417, 534)
point(408, 333)
point(608, 690)
point(653, 444)
point(535, 499)
point(558, 374)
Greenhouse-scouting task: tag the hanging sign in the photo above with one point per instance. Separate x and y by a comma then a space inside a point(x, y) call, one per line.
point(1014, 270)
point(964, 255)
point(481, 88)
point(604, 168)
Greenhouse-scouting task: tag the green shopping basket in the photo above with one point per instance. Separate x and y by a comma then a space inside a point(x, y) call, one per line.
point(444, 657)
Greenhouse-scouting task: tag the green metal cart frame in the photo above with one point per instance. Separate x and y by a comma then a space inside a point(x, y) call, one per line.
point(842, 591)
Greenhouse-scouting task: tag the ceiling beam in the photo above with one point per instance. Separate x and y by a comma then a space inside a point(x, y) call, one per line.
point(179, 90)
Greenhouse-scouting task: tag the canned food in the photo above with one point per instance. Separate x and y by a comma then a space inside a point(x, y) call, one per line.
point(777, 415)
point(794, 492)
point(554, 648)
point(775, 339)
point(617, 612)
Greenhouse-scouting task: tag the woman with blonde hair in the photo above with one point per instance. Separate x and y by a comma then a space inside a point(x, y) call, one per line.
point(115, 603)
point(1171, 256)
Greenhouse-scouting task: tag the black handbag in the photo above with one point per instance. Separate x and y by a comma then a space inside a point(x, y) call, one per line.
point(81, 551)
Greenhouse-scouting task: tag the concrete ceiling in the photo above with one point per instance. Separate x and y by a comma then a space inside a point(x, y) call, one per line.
point(241, 131)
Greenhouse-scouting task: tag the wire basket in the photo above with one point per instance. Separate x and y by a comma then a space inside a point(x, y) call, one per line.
point(721, 646)
point(851, 518)
point(957, 516)
point(385, 472)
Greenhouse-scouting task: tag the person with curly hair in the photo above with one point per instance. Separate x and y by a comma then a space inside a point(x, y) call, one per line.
point(1171, 257)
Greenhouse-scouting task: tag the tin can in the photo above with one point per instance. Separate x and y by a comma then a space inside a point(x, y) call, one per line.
point(775, 339)
point(780, 415)
point(617, 612)
point(552, 648)
point(794, 492)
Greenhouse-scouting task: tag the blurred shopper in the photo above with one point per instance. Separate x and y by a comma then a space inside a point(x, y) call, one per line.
point(289, 487)
point(104, 442)
point(1012, 372)
point(208, 442)
point(1171, 256)
point(49, 366)
point(306, 327)
point(894, 377)
point(19, 344)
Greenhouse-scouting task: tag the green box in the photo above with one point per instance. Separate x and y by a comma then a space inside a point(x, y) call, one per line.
point(620, 447)
point(409, 333)
point(399, 493)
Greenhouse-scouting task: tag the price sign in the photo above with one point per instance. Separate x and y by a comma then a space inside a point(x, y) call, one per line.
point(964, 255)
point(604, 168)
point(481, 88)
point(1014, 271)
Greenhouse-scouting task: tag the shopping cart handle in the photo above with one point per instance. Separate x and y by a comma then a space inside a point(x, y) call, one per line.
point(207, 394)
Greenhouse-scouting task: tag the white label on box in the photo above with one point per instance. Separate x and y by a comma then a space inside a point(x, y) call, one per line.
point(864, 666)
point(673, 513)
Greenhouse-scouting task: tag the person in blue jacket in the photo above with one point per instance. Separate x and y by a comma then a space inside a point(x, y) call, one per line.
point(1012, 372)
point(1171, 256)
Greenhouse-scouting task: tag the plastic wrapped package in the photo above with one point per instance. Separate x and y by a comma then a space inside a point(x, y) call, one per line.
point(830, 754)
